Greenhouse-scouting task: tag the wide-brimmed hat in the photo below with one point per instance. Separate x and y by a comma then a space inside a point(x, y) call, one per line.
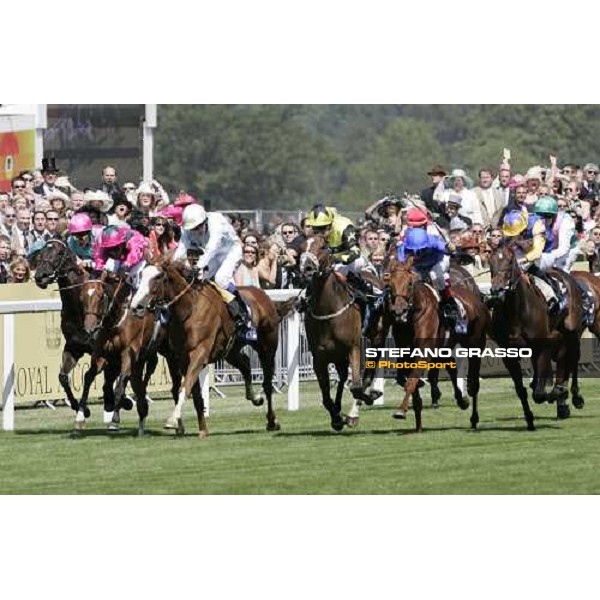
point(99, 196)
point(454, 199)
point(459, 173)
point(49, 165)
point(534, 173)
point(147, 188)
point(516, 181)
point(64, 183)
point(57, 195)
point(591, 167)
point(437, 170)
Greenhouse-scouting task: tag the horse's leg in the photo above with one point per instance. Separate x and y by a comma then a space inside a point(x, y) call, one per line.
point(559, 392)
point(356, 389)
point(267, 362)
point(197, 361)
point(513, 366)
point(433, 377)
point(542, 374)
point(241, 361)
point(120, 387)
point(574, 355)
point(473, 387)
point(199, 406)
point(458, 395)
point(321, 367)
point(95, 367)
point(69, 359)
point(139, 389)
point(111, 402)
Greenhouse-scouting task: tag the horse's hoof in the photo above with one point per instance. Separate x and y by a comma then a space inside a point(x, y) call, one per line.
point(140, 433)
point(352, 422)
point(112, 426)
point(171, 423)
point(86, 413)
point(578, 402)
point(127, 403)
point(399, 414)
point(202, 434)
point(462, 404)
point(540, 397)
point(530, 426)
point(257, 399)
point(563, 411)
point(474, 423)
point(435, 404)
point(273, 426)
point(337, 424)
point(79, 425)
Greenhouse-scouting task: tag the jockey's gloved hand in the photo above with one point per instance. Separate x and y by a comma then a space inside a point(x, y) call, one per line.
point(450, 247)
point(524, 264)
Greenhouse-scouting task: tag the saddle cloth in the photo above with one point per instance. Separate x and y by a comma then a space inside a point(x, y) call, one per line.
point(228, 297)
point(462, 313)
point(546, 289)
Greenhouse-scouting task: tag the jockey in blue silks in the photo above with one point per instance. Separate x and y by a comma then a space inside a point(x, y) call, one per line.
point(431, 258)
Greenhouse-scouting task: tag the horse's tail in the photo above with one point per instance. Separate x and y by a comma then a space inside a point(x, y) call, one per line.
point(284, 308)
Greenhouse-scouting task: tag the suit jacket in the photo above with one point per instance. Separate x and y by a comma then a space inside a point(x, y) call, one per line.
point(490, 220)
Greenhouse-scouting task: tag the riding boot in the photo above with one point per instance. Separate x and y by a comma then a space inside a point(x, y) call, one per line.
point(553, 303)
point(448, 307)
point(241, 319)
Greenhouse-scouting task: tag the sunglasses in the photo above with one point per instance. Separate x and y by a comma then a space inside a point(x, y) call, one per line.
point(51, 218)
point(591, 172)
point(288, 232)
point(250, 252)
point(596, 233)
point(18, 187)
point(496, 235)
point(10, 215)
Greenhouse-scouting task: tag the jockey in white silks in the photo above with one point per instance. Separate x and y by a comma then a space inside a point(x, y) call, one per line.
point(212, 236)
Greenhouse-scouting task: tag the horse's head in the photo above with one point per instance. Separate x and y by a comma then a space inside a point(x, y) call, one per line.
point(400, 281)
point(94, 300)
point(54, 260)
point(504, 270)
point(151, 286)
point(315, 258)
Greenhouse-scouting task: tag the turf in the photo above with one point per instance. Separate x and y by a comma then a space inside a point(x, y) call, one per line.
point(382, 456)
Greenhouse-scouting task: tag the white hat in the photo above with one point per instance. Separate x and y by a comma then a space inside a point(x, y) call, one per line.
point(193, 215)
point(57, 194)
point(459, 173)
point(99, 196)
point(147, 188)
point(63, 182)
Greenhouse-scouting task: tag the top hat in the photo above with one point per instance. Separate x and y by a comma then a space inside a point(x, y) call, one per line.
point(49, 165)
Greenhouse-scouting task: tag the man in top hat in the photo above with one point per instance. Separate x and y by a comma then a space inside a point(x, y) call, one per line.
point(49, 173)
point(432, 196)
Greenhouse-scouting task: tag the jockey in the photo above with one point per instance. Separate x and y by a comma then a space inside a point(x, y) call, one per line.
point(431, 257)
point(120, 250)
point(212, 236)
point(341, 237)
point(528, 233)
point(79, 238)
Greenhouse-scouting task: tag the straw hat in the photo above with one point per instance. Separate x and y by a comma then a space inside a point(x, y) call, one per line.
point(98, 196)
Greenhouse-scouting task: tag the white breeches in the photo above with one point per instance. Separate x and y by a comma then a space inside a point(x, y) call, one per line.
point(223, 264)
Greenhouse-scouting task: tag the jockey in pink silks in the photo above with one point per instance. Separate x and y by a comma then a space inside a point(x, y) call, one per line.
point(120, 250)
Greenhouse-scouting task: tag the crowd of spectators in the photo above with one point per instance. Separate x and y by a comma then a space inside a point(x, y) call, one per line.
point(41, 203)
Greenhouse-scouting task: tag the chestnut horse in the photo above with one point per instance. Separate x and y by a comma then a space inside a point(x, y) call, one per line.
point(201, 331)
point(520, 317)
point(57, 263)
point(333, 331)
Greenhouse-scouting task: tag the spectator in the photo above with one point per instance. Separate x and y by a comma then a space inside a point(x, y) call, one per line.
point(96, 205)
point(589, 187)
point(250, 239)
point(460, 184)
point(76, 201)
point(18, 187)
point(384, 212)
point(269, 271)
point(27, 177)
point(433, 196)
point(20, 233)
point(503, 183)
point(5, 253)
point(54, 225)
point(109, 181)
point(533, 181)
point(247, 272)
point(490, 200)
point(7, 220)
point(38, 232)
point(150, 197)
point(161, 237)
point(38, 178)
point(19, 270)
point(120, 211)
point(129, 190)
point(307, 230)
point(371, 238)
point(456, 221)
point(517, 202)
point(495, 238)
point(49, 174)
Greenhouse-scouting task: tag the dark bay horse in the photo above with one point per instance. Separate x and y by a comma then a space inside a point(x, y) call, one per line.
point(57, 263)
point(333, 331)
point(520, 318)
point(413, 305)
point(201, 331)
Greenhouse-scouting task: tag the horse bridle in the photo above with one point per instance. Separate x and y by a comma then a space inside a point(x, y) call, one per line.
point(58, 270)
point(513, 279)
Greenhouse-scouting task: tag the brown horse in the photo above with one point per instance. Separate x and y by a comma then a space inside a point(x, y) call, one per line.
point(333, 331)
point(413, 304)
point(201, 331)
point(57, 263)
point(134, 338)
point(520, 318)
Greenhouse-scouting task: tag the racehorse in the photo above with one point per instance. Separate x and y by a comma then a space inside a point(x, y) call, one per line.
point(201, 331)
point(57, 263)
point(135, 338)
point(333, 330)
point(520, 318)
point(413, 305)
